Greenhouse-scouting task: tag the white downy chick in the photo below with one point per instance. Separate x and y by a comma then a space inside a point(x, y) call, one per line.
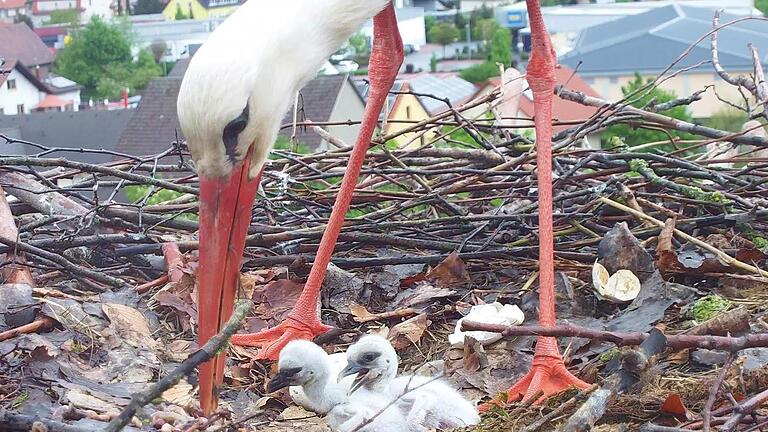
point(303, 363)
point(431, 403)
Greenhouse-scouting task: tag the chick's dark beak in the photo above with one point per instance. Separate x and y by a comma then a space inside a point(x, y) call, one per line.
point(281, 380)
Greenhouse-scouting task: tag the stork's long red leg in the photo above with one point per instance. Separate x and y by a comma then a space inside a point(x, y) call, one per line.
point(303, 322)
point(548, 372)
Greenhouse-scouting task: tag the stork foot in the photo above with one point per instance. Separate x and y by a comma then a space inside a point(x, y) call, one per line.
point(548, 375)
point(273, 340)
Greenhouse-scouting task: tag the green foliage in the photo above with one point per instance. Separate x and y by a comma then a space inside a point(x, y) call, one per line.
point(444, 34)
point(359, 43)
point(485, 29)
point(71, 17)
point(143, 7)
point(180, 15)
point(727, 119)
point(460, 20)
point(708, 307)
point(501, 47)
point(632, 136)
point(285, 144)
point(99, 58)
point(609, 355)
point(433, 63)
point(480, 72)
point(23, 18)
point(137, 193)
point(762, 6)
point(429, 22)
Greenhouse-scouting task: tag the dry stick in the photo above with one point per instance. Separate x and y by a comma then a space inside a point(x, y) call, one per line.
point(66, 264)
point(207, 352)
point(743, 408)
point(706, 413)
point(560, 409)
point(15, 422)
point(676, 342)
point(724, 257)
point(41, 324)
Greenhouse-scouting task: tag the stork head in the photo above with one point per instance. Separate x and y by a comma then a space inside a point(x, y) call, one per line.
point(373, 359)
point(301, 362)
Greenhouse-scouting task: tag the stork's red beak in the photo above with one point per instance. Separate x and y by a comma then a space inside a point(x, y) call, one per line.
point(225, 214)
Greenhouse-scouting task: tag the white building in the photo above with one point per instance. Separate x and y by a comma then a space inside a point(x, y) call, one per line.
point(11, 9)
point(177, 35)
point(21, 92)
point(410, 22)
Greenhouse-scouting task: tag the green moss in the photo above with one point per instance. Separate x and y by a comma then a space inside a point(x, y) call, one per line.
point(708, 307)
point(609, 355)
point(642, 167)
point(19, 400)
point(760, 243)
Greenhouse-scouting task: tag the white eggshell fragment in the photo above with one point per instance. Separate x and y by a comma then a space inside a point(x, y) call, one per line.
point(620, 287)
point(493, 313)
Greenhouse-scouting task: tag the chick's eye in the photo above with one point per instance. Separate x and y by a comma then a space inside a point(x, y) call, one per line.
point(370, 357)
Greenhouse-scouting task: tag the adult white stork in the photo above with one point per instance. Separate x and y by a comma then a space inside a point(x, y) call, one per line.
point(233, 96)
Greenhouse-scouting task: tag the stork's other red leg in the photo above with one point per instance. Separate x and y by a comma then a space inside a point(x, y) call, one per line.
point(548, 372)
point(303, 322)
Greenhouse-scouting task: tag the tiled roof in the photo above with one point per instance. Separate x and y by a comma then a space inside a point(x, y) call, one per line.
point(12, 63)
point(82, 129)
point(20, 42)
point(154, 125)
point(12, 4)
point(563, 110)
point(316, 102)
point(455, 89)
point(650, 41)
point(53, 101)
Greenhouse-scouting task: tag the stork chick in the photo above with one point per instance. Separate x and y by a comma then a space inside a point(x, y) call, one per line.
point(428, 402)
point(303, 363)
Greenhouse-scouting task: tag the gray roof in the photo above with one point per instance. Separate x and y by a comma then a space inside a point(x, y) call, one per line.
point(155, 124)
point(455, 89)
point(651, 41)
point(92, 129)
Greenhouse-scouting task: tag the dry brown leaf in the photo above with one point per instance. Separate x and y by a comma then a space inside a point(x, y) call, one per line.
point(451, 270)
point(360, 313)
point(408, 332)
point(180, 394)
point(130, 324)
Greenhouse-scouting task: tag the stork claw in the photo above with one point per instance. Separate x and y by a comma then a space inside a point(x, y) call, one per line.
point(273, 340)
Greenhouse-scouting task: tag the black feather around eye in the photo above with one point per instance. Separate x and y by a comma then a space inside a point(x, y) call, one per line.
point(370, 357)
point(231, 131)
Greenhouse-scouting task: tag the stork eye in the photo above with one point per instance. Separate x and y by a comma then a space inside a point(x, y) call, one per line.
point(370, 357)
point(231, 131)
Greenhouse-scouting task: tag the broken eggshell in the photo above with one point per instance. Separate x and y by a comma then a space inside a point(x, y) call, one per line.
point(493, 313)
point(620, 287)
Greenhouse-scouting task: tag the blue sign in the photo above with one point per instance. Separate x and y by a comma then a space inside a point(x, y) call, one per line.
point(516, 19)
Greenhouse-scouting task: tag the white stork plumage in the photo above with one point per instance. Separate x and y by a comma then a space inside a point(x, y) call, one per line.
point(235, 92)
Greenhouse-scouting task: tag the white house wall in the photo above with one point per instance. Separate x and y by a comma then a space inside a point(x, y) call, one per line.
point(25, 93)
point(348, 106)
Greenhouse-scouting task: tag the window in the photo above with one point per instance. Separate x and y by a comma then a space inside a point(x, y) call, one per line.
point(408, 112)
point(20, 109)
point(11, 84)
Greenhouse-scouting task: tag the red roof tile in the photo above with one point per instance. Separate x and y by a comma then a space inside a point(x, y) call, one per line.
point(53, 101)
point(12, 4)
point(20, 42)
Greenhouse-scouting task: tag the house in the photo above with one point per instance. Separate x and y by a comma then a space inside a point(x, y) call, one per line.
point(179, 36)
point(201, 9)
point(410, 22)
point(404, 107)
point(657, 38)
point(21, 91)
point(52, 36)
point(11, 10)
point(21, 43)
point(155, 125)
point(92, 129)
point(42, 9)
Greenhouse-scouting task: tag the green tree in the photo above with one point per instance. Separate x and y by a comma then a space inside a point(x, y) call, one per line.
point(635, 136)
point(180, 15)
point(480, 72)
point(444, 34)
point(460, 20)
point(429, 22)
point(485, 29)
point(144, 7)
point(99, 58)
point(433, 63)
point(727, 119)
point(359, 43)
point(762, 6)
point(71, 17)
point(501, 47)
